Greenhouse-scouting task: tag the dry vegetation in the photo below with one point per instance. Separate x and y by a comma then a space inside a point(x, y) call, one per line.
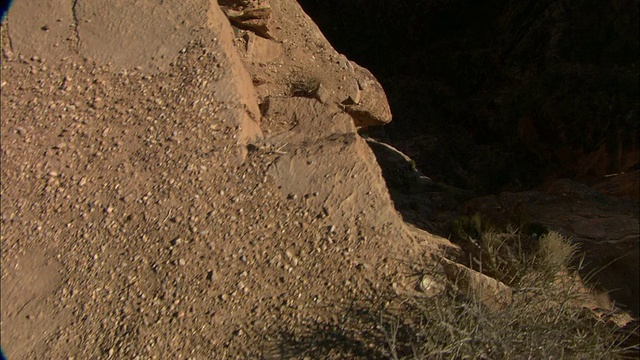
point(544, 320)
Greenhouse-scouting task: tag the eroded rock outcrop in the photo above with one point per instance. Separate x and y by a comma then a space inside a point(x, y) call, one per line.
point(296, 59)
point(253, 15)
point(179, 172)
point(313, 99)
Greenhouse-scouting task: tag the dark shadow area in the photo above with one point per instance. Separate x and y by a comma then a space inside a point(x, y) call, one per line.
point(504, 97)
point(327, 342)
point(354, 333)
point(420, 200)
point(4, 7)
point(500, 95)
point(602, 269)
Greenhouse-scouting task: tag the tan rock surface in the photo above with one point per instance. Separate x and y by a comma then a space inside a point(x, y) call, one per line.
point(492, 293)
point(308, 58)
point(135, 223)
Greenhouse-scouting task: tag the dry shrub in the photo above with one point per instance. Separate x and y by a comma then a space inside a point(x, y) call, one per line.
point(555, 252)
point(544, 320)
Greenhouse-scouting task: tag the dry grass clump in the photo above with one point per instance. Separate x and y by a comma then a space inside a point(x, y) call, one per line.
point(305, 87)
point(511, 255)
point(555, 252)
point(544, 319)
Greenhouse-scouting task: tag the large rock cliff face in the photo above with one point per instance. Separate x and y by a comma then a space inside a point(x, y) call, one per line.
point(186, 179)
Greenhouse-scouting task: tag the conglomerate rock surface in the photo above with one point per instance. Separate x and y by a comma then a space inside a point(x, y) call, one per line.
point(177, 187)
